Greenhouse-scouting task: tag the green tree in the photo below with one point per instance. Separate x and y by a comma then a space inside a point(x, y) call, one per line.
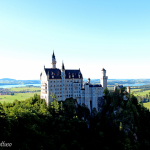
point(106, 91)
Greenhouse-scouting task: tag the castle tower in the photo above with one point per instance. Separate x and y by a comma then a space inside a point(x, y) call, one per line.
point(89, 80)
point(53, 61)
point(63, 81)
point(104, 78)
point(128, 89)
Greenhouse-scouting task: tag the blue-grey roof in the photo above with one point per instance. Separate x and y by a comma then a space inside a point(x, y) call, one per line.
point(120, 86)
point(57, 73)
point(53, 72)
point(76, 73)
point(97, 85)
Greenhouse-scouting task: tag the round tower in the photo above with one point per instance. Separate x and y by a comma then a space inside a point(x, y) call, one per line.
point(89, 80)
point(104, 78)
point(53, 61)
point(128, 89)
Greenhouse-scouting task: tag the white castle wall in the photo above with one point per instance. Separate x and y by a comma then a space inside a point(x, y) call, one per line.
point(72, 87)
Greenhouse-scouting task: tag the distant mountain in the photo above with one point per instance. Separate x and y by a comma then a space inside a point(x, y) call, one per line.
point(120, 81)
point(8, 81)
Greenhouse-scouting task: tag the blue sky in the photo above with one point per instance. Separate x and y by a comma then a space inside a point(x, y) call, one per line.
point(85, 34)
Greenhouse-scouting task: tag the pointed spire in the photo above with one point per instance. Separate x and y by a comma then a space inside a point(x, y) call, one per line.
point(53, 61)
point(103, 69)
point(53, 56)
point(63, 67)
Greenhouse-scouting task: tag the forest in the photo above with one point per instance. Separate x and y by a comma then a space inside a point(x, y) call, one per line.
point(31, 124)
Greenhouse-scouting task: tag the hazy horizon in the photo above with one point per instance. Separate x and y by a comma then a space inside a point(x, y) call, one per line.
point(83, 79)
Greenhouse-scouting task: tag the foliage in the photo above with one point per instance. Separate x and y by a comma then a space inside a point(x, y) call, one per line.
point(31, 124)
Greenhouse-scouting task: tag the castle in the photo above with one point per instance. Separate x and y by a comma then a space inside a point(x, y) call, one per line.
point(66, 83)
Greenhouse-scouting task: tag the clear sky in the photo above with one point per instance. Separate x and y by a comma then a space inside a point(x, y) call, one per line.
point(85, 34)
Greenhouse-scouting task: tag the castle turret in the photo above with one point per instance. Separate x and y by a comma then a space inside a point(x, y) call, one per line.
point(128, 89)
point(104, 78)
point(63, 81)
point(88, 80)
point(53, 61)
